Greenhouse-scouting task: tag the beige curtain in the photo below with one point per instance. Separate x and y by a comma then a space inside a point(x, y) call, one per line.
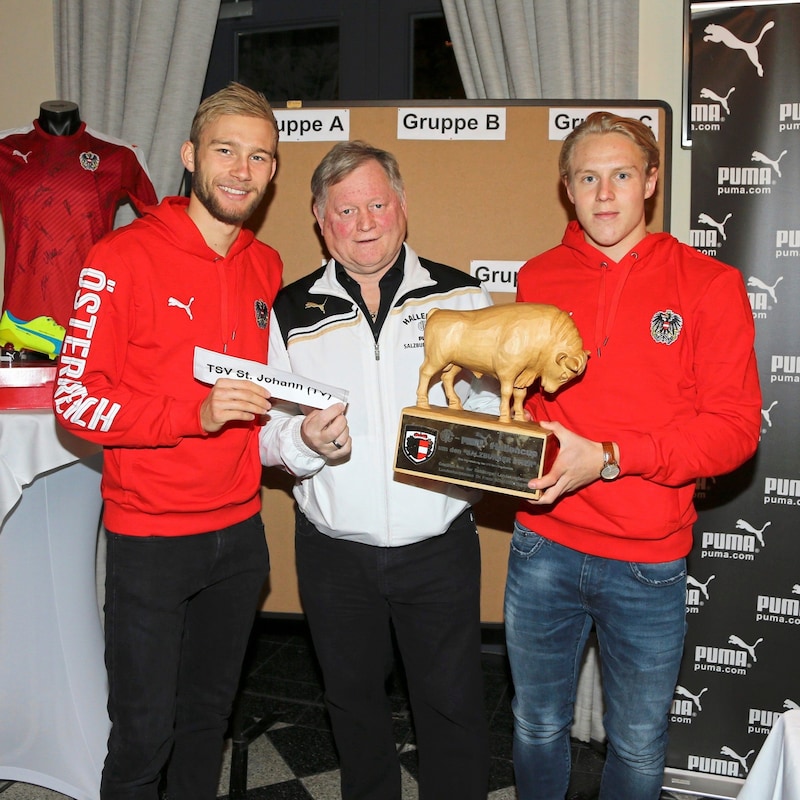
point(136, 69)
point(537, 49)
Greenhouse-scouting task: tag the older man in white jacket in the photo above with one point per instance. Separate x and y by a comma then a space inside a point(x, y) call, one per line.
point(376, 553)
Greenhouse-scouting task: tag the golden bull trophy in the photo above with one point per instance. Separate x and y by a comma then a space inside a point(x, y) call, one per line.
point(518, 343)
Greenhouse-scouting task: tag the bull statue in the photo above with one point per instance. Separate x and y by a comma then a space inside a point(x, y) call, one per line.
point(516, 342)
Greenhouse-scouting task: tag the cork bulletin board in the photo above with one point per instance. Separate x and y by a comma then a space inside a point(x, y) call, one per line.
point(484, 205)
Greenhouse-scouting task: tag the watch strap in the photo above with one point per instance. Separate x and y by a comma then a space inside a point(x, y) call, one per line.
point(610, 468)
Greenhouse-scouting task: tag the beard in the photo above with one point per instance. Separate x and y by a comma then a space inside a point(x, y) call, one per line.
point(204, 191)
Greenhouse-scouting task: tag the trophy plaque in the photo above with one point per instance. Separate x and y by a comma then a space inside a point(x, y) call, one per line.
point(473, 449)
point(518, 343)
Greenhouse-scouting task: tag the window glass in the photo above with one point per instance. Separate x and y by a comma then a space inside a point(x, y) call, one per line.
point(435, 73)
point(293, 64)
point(338, 50)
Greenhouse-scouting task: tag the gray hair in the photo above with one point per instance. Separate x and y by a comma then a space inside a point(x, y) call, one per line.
point(346, 157)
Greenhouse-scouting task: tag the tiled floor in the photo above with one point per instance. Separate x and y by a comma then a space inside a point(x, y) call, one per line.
point(295, 759)
point(283, 679)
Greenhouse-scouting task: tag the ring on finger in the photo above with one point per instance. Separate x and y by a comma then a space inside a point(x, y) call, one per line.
point(336, 444)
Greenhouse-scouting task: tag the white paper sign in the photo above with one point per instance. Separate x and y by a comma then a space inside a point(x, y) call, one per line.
point(563, 120)
point(496, 276)
point(210, 366)
point(313, 124)
point(451, 123)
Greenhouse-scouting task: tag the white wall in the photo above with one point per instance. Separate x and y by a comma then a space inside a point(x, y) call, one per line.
point(26, 60)
point(26, 64)
point(661, 78)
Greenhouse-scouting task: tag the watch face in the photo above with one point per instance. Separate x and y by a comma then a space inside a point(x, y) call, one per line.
point(609, 472)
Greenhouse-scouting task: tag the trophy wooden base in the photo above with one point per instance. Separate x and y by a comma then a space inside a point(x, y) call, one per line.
point(473, 449)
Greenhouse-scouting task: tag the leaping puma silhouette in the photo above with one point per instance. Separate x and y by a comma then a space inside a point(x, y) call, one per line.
point(756, 156)
point(320, 306)
point(751, 648)
point(708, 94)
point(765, 287)
point(187, 307)
point(705, 219)
point(716, 33)
point(695, 698)
point(766, 411)
point(744, 525)
point(727, 751)
point(703, 587)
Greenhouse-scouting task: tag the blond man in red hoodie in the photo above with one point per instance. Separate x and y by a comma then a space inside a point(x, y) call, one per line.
point(670, 394)
point(186, 554)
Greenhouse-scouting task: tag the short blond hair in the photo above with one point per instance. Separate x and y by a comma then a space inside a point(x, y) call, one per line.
point(606, 122)
point(235, 98)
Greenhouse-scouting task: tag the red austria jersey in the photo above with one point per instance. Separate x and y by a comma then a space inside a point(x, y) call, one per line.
point(58, 196)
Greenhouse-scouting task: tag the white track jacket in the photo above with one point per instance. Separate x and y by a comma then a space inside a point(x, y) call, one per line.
point(319, 332)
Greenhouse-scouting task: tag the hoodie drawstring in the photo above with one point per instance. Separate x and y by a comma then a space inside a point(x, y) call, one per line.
point(603, 334)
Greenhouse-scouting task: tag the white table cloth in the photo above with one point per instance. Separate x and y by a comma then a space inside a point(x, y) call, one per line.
point(53, 720)
point(775, 774)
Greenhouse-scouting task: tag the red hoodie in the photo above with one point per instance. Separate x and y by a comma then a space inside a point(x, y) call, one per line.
point(148, 294)
point(671, 378)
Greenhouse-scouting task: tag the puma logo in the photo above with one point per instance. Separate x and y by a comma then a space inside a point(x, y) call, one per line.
point(23, 156)
point(187, 307)
point(744, 525)
point(756, 156)
point(707, 94)
point(703, 587)
point(695, 698)
point(320, 306)
point(705, 219)
point(757, 283)
point(765, 412)
point(726, 751)
point(718, 34)
point(751, 648)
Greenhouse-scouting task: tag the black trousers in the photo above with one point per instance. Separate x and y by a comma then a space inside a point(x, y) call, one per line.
point(178, 617)
point(430, 593)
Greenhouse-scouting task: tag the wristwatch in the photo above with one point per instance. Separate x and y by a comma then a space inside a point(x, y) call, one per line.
point(610, 470)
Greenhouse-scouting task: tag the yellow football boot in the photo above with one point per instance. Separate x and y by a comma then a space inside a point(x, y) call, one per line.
point(41, 334)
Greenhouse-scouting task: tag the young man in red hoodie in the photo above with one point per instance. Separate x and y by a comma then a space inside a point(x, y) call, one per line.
point(670, 394)
point(186, 556)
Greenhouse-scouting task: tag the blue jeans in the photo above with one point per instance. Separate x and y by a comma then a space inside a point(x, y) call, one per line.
point(178, 612)
point(429, 593)
point(553, 596)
